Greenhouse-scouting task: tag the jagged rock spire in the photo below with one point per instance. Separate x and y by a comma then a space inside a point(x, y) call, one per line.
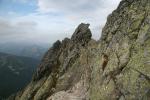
point(82, 34)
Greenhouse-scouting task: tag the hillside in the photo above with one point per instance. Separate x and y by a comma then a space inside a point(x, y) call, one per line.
point(15, 73)
point(26, 50)
point(114, 68)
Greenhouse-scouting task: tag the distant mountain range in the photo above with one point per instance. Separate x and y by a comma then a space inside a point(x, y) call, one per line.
point(27, 50)
point(15, 73)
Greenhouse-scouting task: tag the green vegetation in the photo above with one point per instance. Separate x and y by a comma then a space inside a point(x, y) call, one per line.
point(15, 73)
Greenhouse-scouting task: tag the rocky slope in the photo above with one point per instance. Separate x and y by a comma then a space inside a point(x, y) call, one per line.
point(72, 69)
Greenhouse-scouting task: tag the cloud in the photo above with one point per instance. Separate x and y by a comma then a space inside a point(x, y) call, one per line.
point(26, 24)
point(94, 12)
point(78, 7)
point(15, 31)
point(68, 5)
point(55, 19)
point(33, 28)
point(21, 1)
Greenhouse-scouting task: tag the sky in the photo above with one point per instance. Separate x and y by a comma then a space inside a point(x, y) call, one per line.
point(45, 21)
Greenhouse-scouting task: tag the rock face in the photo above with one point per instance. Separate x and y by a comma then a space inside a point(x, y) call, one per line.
point(82, 34)
point(60, 71)
point(49, 62)
point(72, 69)
point(126, 41)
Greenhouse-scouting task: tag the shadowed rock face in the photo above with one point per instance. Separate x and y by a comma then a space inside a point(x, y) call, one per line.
point(49, 62)
point(82, 34)
point(73, 71)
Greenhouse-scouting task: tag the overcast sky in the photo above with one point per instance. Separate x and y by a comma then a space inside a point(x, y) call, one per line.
point(45, 21)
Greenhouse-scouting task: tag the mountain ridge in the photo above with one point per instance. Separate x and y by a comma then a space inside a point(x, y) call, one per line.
point(26, 50)
point(72, 68)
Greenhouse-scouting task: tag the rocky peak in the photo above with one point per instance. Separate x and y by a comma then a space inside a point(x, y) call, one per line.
point(82, 34)
point(56, 45)
point(49, 61)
